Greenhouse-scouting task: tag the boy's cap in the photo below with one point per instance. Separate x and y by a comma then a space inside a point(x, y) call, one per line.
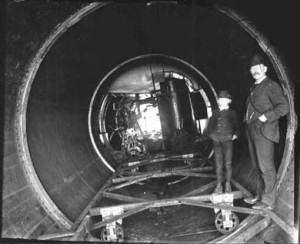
point(224, 94)
point(257, 59)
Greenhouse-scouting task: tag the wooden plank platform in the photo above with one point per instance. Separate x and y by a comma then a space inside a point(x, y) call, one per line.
point(122, 178)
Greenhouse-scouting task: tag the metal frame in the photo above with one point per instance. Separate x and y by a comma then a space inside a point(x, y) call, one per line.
point(123, 177)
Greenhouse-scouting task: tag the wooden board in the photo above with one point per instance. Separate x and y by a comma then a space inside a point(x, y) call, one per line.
point(281, 223)
point(165, 202)
point(81, 230)
point(241, 188)
point(201, 189)
point(251, 231)
point(220, 206)
point(122, 197)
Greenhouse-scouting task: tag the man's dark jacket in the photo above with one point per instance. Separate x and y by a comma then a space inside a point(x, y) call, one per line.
point(267, 98)
point(222, 125)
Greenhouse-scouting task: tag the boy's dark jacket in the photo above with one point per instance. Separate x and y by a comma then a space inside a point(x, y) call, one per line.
point(222, 125)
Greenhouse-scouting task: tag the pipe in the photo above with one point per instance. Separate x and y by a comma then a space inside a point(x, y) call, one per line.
point(50, 104)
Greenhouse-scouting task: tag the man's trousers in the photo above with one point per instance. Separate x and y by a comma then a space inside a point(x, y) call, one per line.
point(262, 157)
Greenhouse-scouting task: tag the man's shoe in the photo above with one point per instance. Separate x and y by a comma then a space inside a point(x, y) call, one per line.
point(252, 200)
point(262, 206)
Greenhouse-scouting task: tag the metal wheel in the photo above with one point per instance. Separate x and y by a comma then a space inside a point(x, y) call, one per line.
point(220, 224)
point(104, 235)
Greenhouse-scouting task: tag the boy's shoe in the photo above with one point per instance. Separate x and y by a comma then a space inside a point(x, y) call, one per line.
point(252, 200)
point(219, 189)
point(228, 187)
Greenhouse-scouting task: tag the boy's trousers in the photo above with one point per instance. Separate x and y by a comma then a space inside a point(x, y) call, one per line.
point(223, 157)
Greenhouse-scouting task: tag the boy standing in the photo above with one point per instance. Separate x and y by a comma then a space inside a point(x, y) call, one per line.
point(223, 128)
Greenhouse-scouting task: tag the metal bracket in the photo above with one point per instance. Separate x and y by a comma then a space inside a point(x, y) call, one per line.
point(111, 228)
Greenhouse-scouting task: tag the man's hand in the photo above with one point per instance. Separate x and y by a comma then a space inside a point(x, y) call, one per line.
point(262, 118)
point(234, 137)
point(201, 139)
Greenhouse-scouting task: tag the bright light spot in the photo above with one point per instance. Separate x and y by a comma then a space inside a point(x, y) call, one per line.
point(150, 121)
point(144, 96)
point(177, 76)
point(295, 235)
point(203, 124)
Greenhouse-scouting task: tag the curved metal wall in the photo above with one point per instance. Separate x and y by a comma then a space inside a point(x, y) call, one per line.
point(65, 74)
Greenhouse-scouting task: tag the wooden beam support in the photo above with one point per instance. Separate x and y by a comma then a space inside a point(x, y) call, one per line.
point(177, 181)
point(122, 216)
point(197, 175)
point(128, 183)
point(206, 160)
point(131, 178)
point(281, 223)
point(220, 206)
point(201, 189)
point(142, 163)
point(199, 169)
point(198, 163)
point(96, 197)
point(164, 202)
point(241, 188)
point(144, 160)
point(81, 230)
point(251, 231)
point(129, 173)
point(123, 198)
point(56, 235)
point(158, 174)
point(135, 208)
point(126, 207)
point(165, 158)
point(137, 173)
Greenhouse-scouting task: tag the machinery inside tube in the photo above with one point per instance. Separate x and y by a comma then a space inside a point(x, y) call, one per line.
point(170, 116)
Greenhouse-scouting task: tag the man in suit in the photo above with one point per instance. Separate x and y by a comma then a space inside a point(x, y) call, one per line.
point(265, 105)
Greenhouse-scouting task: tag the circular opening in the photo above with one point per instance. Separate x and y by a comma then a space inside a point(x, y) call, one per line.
point(139, 106)
point(60, 130)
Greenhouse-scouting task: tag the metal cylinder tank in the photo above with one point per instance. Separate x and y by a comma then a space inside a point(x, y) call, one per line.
point(56, 58)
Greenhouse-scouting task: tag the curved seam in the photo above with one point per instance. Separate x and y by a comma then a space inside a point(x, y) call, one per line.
point(20, 121)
